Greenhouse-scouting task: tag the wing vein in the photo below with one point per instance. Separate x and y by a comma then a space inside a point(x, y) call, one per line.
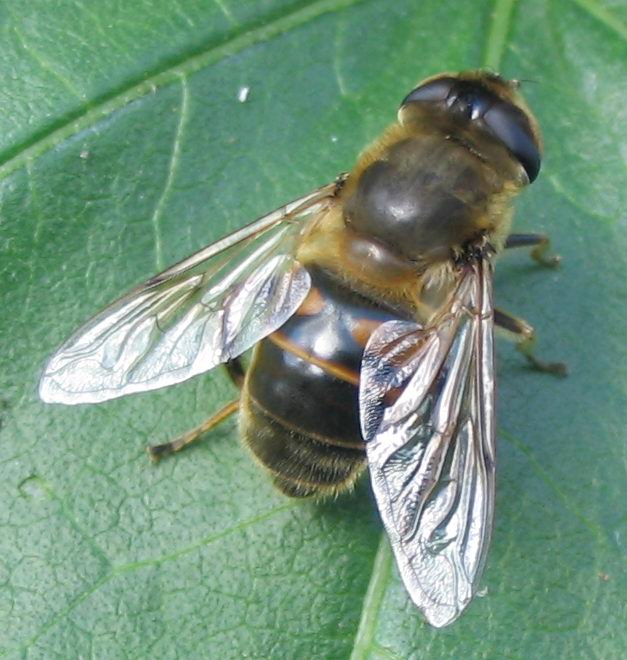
point(198, 313)
point(430, 449)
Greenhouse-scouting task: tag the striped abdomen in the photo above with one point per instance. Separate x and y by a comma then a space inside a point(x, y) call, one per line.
point(299, 409)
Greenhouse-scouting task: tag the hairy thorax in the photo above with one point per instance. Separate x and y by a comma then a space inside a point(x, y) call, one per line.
point(412, 203)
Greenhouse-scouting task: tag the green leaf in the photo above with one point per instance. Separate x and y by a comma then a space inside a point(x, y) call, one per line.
point(123, 147)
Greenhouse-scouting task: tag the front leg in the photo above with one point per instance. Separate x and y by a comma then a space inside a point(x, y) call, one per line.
point(524, 335)
point(540, 244)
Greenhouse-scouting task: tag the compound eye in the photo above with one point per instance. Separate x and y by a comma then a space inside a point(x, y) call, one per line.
point(436, 90)
point(512, 128)
point(470, 100)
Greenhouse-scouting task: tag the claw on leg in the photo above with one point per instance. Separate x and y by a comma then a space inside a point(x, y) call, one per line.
point(156, 452)
point(526, 347)
point(540, 244)
point(540, 256)
point(524, 335)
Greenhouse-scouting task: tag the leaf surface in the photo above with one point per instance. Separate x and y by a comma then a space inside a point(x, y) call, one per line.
point(124, 147)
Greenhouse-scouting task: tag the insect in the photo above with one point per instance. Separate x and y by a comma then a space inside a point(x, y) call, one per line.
point(369, 306)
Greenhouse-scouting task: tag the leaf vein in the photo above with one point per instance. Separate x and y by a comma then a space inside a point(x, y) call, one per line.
point(47, 67)
point(498, 32)
point(123, 568)
point(208, 540)
point(593, 528)
point(381, 572)
point(341, 84)
point(172, 168)
point(105, 104)
point(604, 17)
point(222, 6)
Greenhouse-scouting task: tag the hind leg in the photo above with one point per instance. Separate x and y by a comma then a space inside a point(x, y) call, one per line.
point(237, 373)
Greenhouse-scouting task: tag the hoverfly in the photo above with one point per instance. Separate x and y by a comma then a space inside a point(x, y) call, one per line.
point(369, 306)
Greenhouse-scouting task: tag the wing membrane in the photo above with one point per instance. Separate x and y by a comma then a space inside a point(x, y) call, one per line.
point(427, 407)
point(201, 312)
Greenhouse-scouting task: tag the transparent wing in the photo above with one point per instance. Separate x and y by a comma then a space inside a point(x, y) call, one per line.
point(427, 415)
point(201, 312)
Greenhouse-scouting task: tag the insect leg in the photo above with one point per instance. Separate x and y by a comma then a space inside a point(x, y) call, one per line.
point(525, 337)
point(540, 244)
point(158, 451)
point(235, 370)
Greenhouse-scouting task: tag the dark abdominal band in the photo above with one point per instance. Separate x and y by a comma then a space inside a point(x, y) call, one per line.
point(301, 465)
point(300, 404)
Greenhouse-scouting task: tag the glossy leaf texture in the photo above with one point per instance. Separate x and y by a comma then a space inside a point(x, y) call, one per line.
point(124, 146)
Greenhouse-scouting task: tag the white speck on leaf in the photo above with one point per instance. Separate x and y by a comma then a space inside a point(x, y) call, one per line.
point(242, 93)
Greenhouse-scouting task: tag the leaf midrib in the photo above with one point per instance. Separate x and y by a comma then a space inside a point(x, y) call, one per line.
point(501, 20)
